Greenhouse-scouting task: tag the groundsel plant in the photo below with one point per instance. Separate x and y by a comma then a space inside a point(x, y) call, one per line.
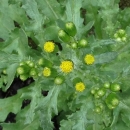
point(77, 55)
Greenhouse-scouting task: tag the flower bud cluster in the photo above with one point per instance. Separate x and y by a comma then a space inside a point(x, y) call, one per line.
point(120, 35)
point(27, 69)
point(106, 94)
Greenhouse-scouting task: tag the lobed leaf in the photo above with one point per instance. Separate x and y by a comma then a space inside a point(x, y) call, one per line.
point(105, 57)
point(50, 8)
point(11, 104)
point(6, 23)
point(36, 18)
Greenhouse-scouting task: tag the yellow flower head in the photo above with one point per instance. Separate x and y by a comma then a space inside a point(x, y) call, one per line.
point(80, 86)
point(49, 47)
point(66, 66)
point(46, 72)
point(89, 59)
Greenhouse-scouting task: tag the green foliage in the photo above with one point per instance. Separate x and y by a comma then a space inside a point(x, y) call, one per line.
point(99, 29)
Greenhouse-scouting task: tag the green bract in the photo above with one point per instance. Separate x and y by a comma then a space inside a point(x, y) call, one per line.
point(4, 71)
point(93, 91)
point(59, 80)
point(74, 45)
point(106, 85)
point(41, 61)
point(31, 64)
point(98, 110)
point(112, 100)
point(22, 69)
point(44, 62)
point(23, 77)
point(63, 36)
point(33, 72)
point(82, 43)
point(101, 92)
point(70, 28)
point(115, 87)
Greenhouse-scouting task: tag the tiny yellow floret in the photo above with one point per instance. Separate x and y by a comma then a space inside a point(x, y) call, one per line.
point(66, 66)
point(49, 47)
point(89, 59)
point(46, 72)
point(80, 86)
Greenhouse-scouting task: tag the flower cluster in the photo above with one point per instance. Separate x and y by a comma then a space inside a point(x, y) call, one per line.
point(49, 47)
point(79, 86)
point(89, 59)
point(66, 66)
point(46, 72)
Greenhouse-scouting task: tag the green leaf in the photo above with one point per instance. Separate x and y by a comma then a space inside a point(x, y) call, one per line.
point(12, 104)
point(45, 118)
point(120, 126)
point(23, 43)
point(48, 107)
point(32, 11)
point(17, 43)
point(50, 8)
point(34, 125)
point(6, 23)
point(116, 113)
point(77, 120)
point(66, 125)
point(33, 92)
point(105, 57)
point(51, 33)
point(6, 59)
point(11, 70)
point(124, 105)
point(73, 12)
point(18, 16)
point(86, 28)
point(116, 66)
point(100, 43)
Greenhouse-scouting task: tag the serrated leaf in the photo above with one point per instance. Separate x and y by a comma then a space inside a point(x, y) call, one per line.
point(51, 33)
point(77, 120)
point(73, 12)
point(66, 124)
point(120, 126)
point(23, 43)
point(6, 23)
point(124, 106)
point(17, 43)
point(60, 23)
point(84, 29)
point(7, 59)
point(51, 98)
point(33, 92)
point(32, 11)
point(116, 66)
point(100, 43)
point(34, 125)
point(105, 57)
point(18, 16)
point(12, 104)
point(100, 3)
point(45, 118)
point(49, 9)
point(48, 107)
point(116, 113)
point(11, 70)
